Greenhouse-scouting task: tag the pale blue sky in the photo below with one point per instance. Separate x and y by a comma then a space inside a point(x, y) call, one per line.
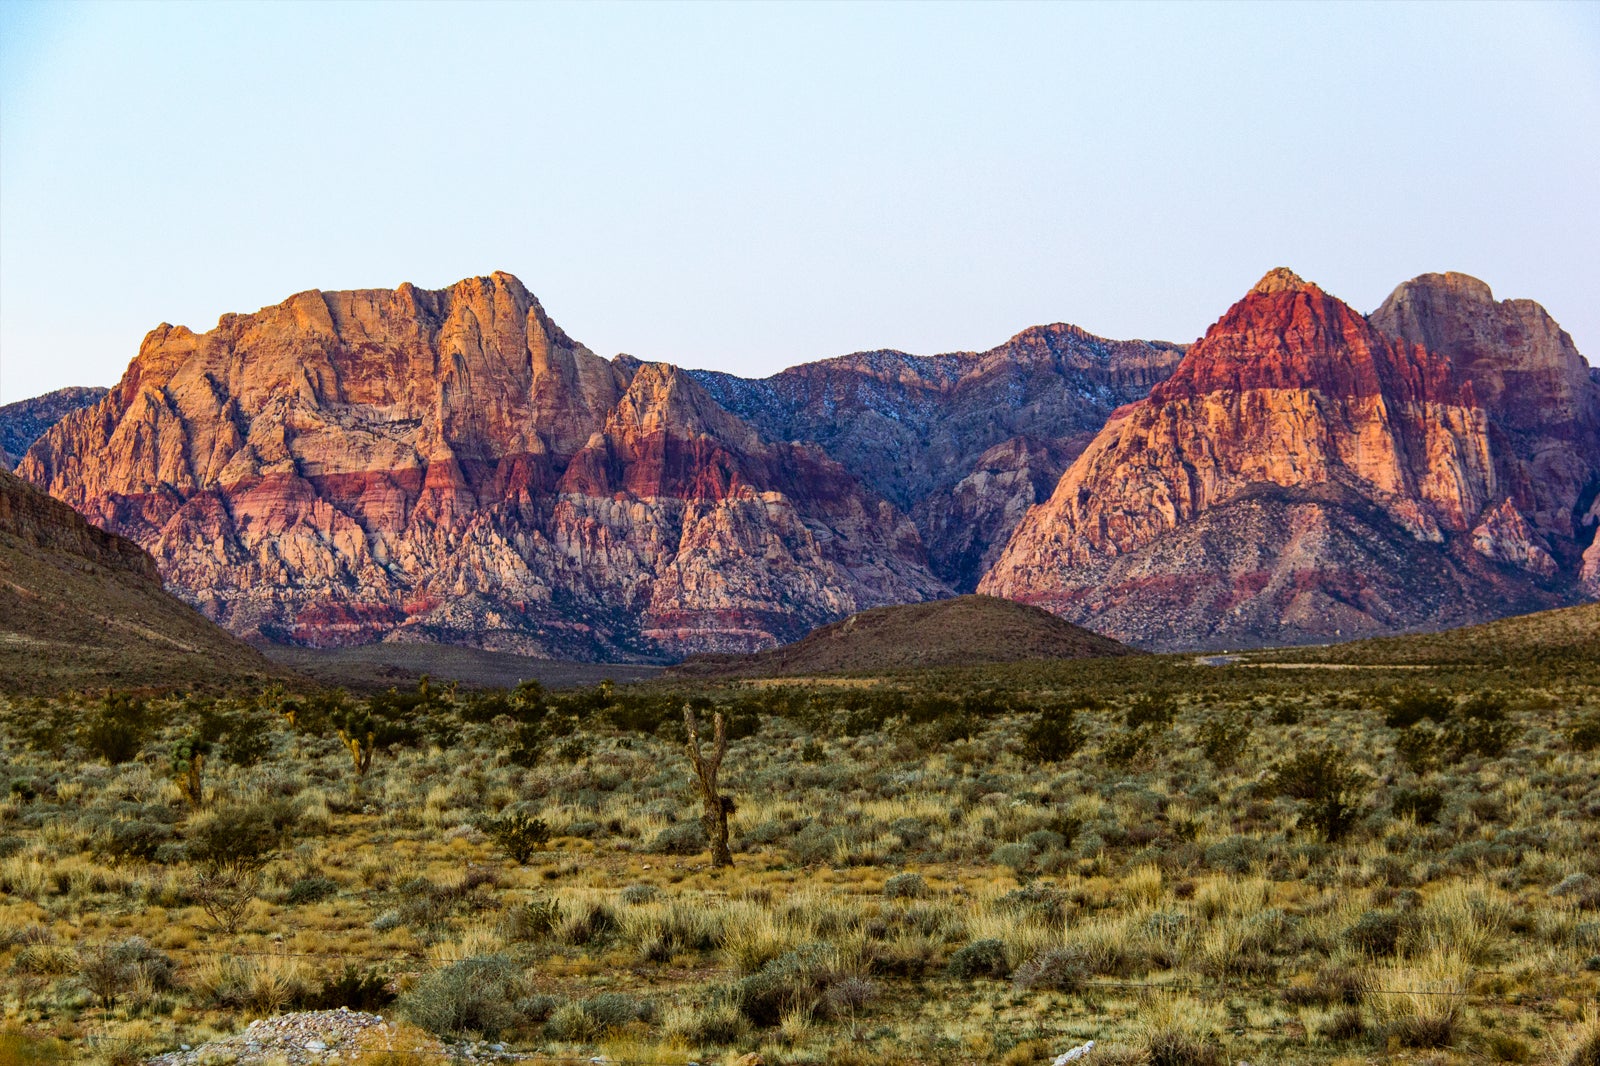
point(750, 186)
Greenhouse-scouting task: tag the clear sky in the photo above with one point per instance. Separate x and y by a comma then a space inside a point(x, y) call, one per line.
point(749, 186)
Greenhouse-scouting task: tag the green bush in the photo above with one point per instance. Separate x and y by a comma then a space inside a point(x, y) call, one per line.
point(117, 730)
point(237, 840)
point(1421, 805)
point(1329, 786)
point(365, 990)
point(905, 886)
point(1408, 708)
point(1053, 735)
point(1225, 737)
point(1057, 970)
point(518, 834)
point(981, 958)
point(1583, 732)
point(475, 996)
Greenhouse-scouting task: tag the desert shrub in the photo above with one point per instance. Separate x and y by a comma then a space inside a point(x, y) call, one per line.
point(1058, 970)
point(981, 958)
point(123, 840)
point(1017, 856)
point(238, 839)
point(1154, 709)
point(1236, 854)
point(1127, 747)
point(1483, 726)
point(1285, 713)
point(614, 1010)
point(533, 920)
point(1346, 1023)
point(1421, 747)
point(1225, 737)
point(586, 923)
point(1053, 735)
point(365, 990)
point(1327, 784)
point(1408, 708)
point(683, 838)
point(795, 981)
point(310, 890)
point(527, 744)
point(1583, 732)
point(518, 834)
point(905, 886)
point(116, 731)
point(1172, 1046)
point(109, 970)
point(1376, 933)
point(473, 996)
point(634, 895)
point(1421, 805)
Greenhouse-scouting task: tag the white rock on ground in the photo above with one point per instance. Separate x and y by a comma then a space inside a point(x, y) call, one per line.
point(305, 1038)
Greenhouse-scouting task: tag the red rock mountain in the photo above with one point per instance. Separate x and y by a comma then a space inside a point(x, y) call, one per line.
point(25, 421)
point(449, 465)
point(965, 442)
point(1308, 474)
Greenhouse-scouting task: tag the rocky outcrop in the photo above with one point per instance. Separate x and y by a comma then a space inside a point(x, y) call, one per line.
point(25, 421)
point(1543, 404)
point(1302, 475)
point(965, 442)
point(450, 466)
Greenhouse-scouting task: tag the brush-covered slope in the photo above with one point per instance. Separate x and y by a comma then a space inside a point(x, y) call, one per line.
point(1568, 634)
point(965, 631)
point(450, 466)
point(83, 608)
point(965, 442)
point(25, 421)
point(1303, 475)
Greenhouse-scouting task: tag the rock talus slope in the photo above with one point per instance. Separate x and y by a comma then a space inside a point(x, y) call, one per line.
point(1302, 475)
point(449, 465)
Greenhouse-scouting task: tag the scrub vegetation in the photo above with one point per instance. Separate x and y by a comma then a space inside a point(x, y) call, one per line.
point(1187, 863)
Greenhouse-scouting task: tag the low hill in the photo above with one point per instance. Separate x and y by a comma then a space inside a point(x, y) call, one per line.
point(83, 608)
point(966, 631)
point(1568, 634)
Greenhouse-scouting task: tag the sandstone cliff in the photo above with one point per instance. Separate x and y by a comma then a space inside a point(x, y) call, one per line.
point(449, 465)
point(25, 421)
point(1302, 475)
point(965, 442)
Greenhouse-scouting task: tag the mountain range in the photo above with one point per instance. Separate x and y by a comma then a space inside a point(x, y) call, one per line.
point(449, 466)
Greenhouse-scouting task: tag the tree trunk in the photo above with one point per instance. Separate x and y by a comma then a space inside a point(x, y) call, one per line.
point(717, 806)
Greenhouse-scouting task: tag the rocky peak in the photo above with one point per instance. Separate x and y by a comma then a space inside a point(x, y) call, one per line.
point(1301, 475)
point(1542, 401)
point(1280, 279)
point(448, 464)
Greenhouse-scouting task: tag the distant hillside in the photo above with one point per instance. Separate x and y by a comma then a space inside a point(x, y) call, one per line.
point(25, 421)
point(1570, 634)
point(83, 608)
point(966, 631)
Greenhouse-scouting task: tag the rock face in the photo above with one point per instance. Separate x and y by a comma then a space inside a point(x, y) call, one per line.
point(450, 466)
point(1306, 475)
point(25, 421)
point(80, 607)
point(965, 442)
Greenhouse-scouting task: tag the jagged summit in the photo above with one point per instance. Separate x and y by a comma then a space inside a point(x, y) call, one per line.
point(1281, 279)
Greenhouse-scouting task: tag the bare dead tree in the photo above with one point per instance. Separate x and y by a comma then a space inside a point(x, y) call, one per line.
point(717, 806)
